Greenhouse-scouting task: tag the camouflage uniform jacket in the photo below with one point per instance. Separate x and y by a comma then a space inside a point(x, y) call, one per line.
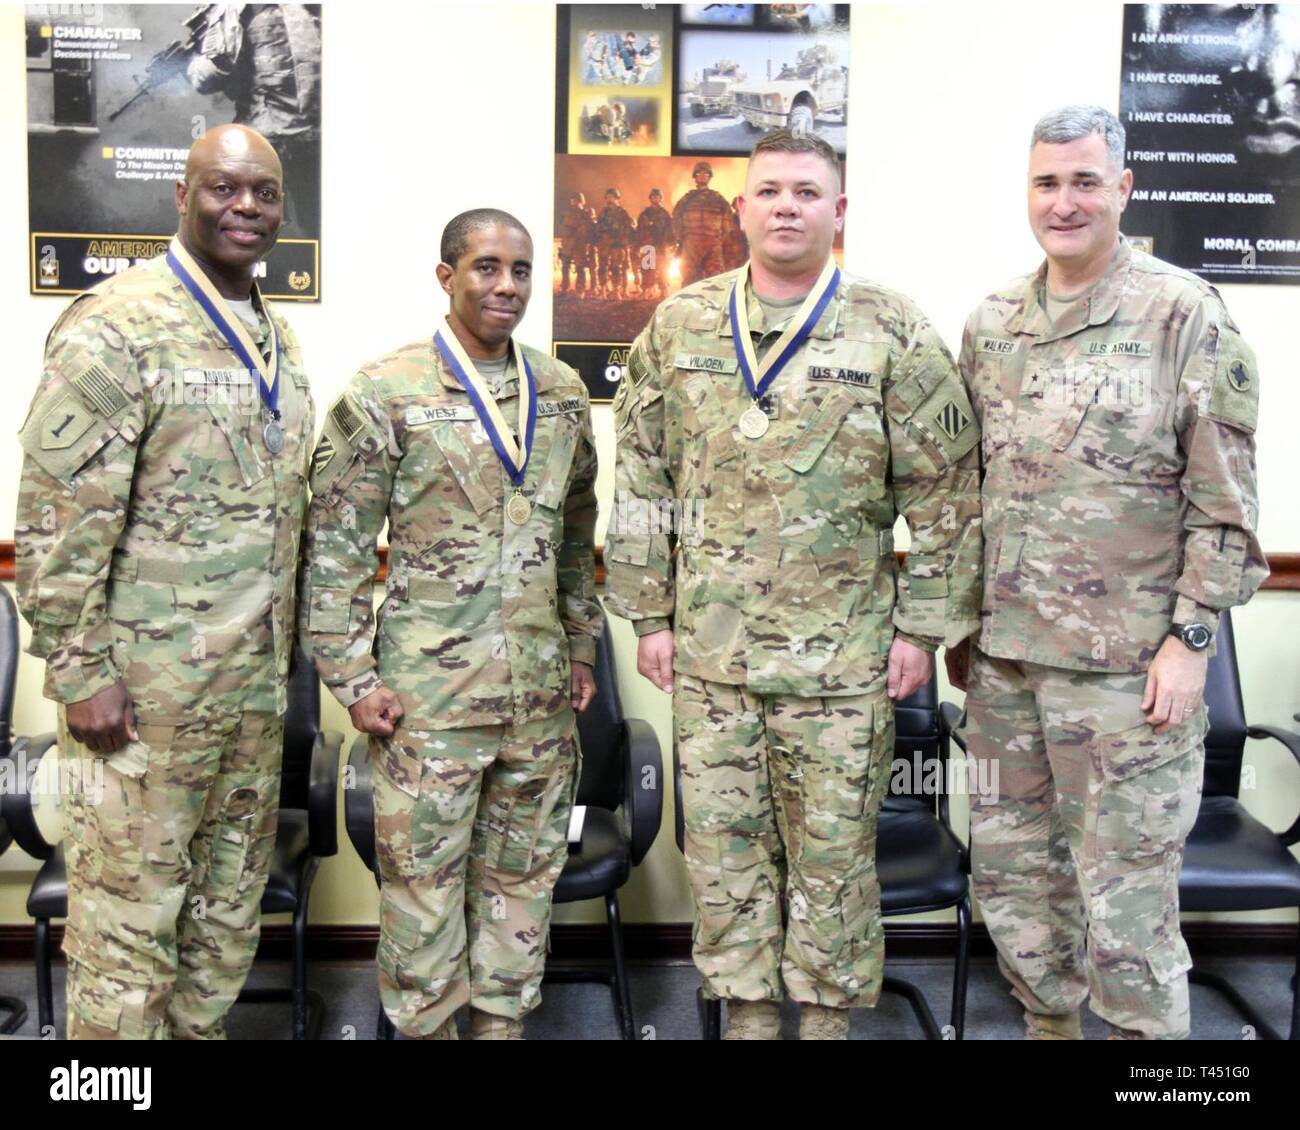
point(157, 536)
point(654, 227)
point(701, 212)
point(482, 616)
point(270, 55)
point(615, 226)
point(785, 579)
point(1119, 465)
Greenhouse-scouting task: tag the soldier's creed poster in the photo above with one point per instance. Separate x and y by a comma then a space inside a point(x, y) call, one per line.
point(116, 94)
point(1210, 99)
point(657, 108)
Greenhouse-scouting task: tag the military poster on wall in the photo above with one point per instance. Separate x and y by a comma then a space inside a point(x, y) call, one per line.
point(657, 109)
point(116, 94)
point(1210, 100)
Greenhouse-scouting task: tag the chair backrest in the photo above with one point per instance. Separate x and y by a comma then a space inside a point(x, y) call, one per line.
point(917, 770)
point(8, 668)
point(8, 680)
point(301, 724)
point(602, 735)
point(1226, 742)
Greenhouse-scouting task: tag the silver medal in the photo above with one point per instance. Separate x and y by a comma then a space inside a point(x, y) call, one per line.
point(753, 422)
point(273, 437)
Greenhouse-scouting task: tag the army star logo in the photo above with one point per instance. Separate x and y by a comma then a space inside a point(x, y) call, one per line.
point(952, 420)
point(1239, 376)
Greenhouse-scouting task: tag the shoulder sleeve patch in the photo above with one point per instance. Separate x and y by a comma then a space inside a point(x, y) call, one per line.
point(1234, 396)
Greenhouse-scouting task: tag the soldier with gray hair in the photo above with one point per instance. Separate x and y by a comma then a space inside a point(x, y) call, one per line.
point(1117, 402)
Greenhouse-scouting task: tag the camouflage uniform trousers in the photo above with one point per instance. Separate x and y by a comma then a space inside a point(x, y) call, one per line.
point(471, 832)
point(701, 258)
point(780, 797)
point(1084, 844)
point(166, 871)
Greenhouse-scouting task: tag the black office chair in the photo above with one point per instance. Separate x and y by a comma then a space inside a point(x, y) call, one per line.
point(921, 864)
point(12, 1009)
point(621, 787)
point(305, 834)
point(1233, 862)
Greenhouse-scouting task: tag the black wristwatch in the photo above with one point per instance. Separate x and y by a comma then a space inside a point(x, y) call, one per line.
point(1195, 636)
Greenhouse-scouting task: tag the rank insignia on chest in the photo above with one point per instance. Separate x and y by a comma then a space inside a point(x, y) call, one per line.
point(844, 376)
point(952, 420)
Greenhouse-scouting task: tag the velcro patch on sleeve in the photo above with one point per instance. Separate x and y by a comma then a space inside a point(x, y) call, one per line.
point(100, 390)
point(347, 419)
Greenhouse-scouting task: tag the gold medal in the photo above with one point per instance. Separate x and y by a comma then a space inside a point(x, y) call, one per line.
point(753, 422)
point(518, 508)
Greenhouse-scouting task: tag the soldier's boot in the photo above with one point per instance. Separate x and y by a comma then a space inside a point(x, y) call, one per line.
point(1040, 1026)
point(753, 1020)
point(486, 1026)
point(445, 1031)
point(821, 1022)
point(1122, 1033)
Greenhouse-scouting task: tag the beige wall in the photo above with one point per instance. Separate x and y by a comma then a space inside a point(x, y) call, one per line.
point(422, 122)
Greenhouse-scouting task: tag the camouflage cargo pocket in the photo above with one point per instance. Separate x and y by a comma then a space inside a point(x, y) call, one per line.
point(1150, 788)
point(235, 425)
point(1108, 420)
point(116, 821)
point(237, 850)
point(518, 824)
point(397, 791)
point(1168, 959)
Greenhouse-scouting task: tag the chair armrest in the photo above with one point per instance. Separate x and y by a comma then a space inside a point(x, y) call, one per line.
point(359, 802)
point(322, 794)
point(16, 804)
point(1292, 743)
point(643, 793)
point(949, 716)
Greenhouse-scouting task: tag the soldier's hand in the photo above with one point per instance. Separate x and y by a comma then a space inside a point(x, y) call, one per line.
point(203, 73)
point(582, 686)
point(909, 667)
point(957, 660)
point(105, 722)
point(654, 658)
point(1175, 681)
point(378, 713)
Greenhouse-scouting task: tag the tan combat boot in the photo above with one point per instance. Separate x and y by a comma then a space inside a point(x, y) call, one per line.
point(1040, 1026)
point(485, 1026)
point(753, 1020)
point(445, 1031)
point(821, 1022)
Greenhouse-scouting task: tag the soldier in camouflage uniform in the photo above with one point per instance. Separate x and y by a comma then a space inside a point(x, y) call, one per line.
point(654, 241)
point(157, 547)
point(574, 233)
point(1117, 403)
point(485, 643)
point(614, 235)
point(266, 59)
point(701, 219)
point(793, 630)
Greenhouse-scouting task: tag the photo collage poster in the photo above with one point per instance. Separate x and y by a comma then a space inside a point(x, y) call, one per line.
point(657, 109)
point(117, 93)
point(1210, 100)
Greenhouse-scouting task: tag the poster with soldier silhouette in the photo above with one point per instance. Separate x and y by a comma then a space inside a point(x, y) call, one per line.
point(117, 93)
point(1210, 101)
point(642, 207)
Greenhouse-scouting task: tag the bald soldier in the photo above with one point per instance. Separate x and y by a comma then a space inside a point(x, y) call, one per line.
point(162, 495)
point(775, 421)
point(1118, 404)
point(478, 454)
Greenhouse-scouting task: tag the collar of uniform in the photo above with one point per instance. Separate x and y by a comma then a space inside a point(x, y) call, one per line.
point(1094, 309)
point(542, 374)
point(824, 330)
point(260, 305)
